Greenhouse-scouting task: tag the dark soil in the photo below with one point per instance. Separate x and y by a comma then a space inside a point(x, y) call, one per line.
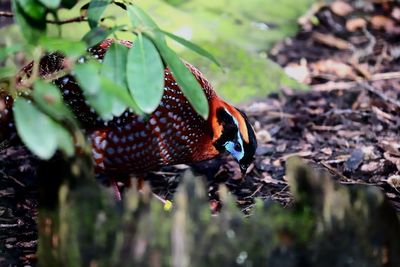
point(18, 207)
point(347, 124)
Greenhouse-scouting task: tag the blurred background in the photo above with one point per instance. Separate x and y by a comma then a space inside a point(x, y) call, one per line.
point(238, 33)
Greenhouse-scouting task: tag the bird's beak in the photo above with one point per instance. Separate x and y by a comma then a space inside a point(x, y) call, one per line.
point(243, 168)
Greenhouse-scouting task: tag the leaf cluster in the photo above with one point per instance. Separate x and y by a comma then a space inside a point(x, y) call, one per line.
point(125, 79)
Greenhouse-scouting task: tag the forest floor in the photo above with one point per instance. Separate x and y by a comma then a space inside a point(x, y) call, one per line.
point(347, 124)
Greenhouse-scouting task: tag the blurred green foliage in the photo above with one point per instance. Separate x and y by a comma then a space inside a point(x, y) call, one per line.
point(341, 227)
point(237, 34)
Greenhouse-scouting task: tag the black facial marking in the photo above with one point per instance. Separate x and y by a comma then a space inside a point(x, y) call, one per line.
point(251, 146)
point(229, 129)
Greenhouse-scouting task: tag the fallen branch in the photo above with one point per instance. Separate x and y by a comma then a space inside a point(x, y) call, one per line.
point(331, 41)
point(386, 76)
point(330, 86)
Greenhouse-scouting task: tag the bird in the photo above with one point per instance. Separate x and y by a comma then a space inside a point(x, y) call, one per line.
point(131, 144)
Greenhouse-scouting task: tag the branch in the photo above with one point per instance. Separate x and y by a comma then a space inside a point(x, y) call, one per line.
point(384, 97)
point(58, 22)
point(71, 20)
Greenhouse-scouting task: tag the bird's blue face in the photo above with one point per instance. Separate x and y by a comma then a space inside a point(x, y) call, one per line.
point(235, 146)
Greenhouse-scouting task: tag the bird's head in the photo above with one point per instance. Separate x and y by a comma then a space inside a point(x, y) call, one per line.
point(233, 133)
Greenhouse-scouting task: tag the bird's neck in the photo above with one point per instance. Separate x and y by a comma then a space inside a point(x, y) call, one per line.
point(208, 150)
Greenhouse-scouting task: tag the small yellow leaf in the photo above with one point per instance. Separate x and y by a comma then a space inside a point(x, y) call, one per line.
point(167, 205)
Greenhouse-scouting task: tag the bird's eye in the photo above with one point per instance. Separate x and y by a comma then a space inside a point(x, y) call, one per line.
point(238, 147)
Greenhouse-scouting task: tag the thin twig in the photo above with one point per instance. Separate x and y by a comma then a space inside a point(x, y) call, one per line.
point(12, 225)
point(16, 181)
point(6, 14)
point(334, 171)
point(331, 41)
point(257, 190)
point(280, 191)
point(386, 76)
point(160, 198)
point(384, 97)
point(71, 20)
point(330, 86)
point(359, 53)
point(59, 22)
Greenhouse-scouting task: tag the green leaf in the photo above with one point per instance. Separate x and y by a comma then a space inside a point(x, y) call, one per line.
point(122, 95)
point(140, 19)
point(31, 28)
point(39, 132)
point(119, 4)
point(68, 47)
point(97, 92)
point(96, 10)
point(95, 36)
point(48, 97)
point(8, 50)
point(145, 74)
point(193, 47)
point(98, 34)
point(84, 9)
point(183, 76)
point(113, 72)
point(64, 140)
point(32, 9)
point(35, 129)
point(114, 64)
point(88, 77)
point(185, 79)
point(68, 3)
point(52, 4)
